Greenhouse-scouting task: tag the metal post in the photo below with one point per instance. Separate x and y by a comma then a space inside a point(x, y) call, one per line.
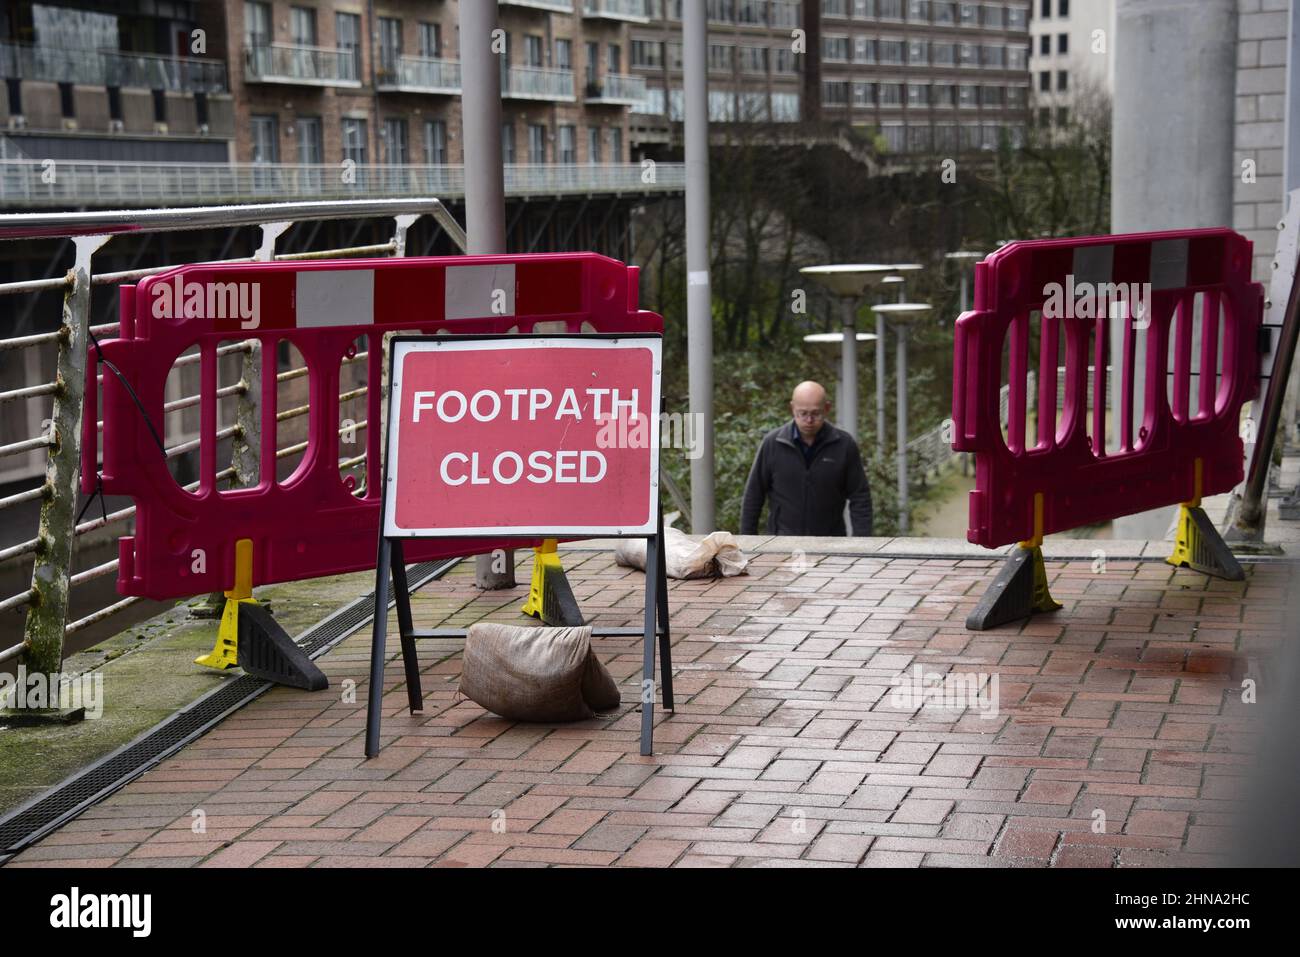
point(485, 192)
point(848, 414)
point(900, 331)
point(48, 615)
point(880, 384)
point(699, 307)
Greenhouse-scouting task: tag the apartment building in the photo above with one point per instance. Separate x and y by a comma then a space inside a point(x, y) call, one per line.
point(755, 74)
point(927, 75)
point(311, 90)
point(922, 74)
point(115, 80)
point(1070, 55)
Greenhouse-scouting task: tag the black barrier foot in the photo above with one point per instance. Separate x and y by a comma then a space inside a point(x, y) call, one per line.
point(1200, 547)
point(1019, 590)
point(267, 651)
point(550, 596)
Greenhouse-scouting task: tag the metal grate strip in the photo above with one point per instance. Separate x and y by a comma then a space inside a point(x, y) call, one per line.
point(67, 799)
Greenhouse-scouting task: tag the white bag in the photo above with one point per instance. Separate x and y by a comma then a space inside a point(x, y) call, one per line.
point(713, 556)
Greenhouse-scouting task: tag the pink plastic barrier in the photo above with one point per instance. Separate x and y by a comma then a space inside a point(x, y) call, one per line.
point(1164, 291)
point(311, 523)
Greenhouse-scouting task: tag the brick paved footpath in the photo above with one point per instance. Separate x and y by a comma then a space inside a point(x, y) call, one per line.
point(1121, 738)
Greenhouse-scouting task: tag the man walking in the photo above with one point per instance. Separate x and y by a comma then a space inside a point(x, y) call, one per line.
point(806, 470)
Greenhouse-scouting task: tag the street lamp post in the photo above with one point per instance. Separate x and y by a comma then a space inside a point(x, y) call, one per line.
point(962, 258)
point(902, 313)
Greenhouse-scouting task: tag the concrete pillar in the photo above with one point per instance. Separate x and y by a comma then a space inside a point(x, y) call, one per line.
point(1175, 83)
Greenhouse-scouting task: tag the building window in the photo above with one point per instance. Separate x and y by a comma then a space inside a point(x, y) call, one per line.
point(834, 8)
point(720, 57)
point(944, 94)
point(508, 143)
point(347, 33)
point(568, 144)
point(1017, 18)
point(1045, 81)
point(1062, 81)
point(783, 61)
point(991, 96)
point(354, 140)
point(943, 54)
point(1062, 43)
point(835, 93)
point(1017, 57)
point(994, 17)
point(257, 23)
point(994, 56)
point(536, 143)
point(1046, 10)
point(969, 55)
point(533, 51)
point(396, 149)
point(311, 146)
point(435, 142)
point(889, 9)
point(593, 63)
point(1062, 116)
point(863, 9)
point(1063, 8)
point(302, 26)
point(648, 54)
point(753, 60)
point(967, 96)
point(390, 45)
point(945, 13)
point(891, 51)
point(593, 144)
point(785, 107)
point(835, 49)
point(918, 11)
point(614, 58)
point(564, 54)
point(266, 139)
point(970, 15)
point(430, 40)
point(864, 94)
point(918, 95)
point(891, 94)
point(1045, 44)
point(616, 144)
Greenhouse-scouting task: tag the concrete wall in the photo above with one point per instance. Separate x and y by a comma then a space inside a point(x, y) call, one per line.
point(1260, 126)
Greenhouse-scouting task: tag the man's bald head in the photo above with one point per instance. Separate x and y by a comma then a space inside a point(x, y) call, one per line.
point(810, 409)
point(809, 393)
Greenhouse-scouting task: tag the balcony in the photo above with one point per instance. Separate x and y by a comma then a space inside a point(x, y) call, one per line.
point(550, 6)
point(298, 65)
point(135, 185)
point(618, 89)
point(148, 71)
point(537, 83)
point(416, 74)
point(629, 11)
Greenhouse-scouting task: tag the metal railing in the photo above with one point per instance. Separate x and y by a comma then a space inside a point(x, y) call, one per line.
point(87, 183)
point(633, 10)
point(417, 74)
point(618, 88)
point(298, 64)
point(59, 442)
point(555, 6)
point(150, 71)
point(537, 83)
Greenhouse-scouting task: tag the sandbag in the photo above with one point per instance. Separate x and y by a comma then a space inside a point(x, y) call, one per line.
point(535, 674)
point(713, 556)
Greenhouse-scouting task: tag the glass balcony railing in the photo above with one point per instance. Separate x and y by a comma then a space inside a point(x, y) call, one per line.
point(554, 6)
point(113, 185)
point(149, 71)
point(415, 74)
point(300, 65)
point(634, 11)
point(618, 88)
point(537, 83)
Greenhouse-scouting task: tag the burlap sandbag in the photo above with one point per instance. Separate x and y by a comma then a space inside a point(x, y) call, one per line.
point(535, 674)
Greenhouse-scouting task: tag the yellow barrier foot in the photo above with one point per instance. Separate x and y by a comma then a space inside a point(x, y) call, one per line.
point(1018, 592)
point(550, 597)
point(225, 653)
point(1199, 546)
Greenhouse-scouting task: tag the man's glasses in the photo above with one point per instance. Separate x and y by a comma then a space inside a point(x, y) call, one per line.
point(808, 415)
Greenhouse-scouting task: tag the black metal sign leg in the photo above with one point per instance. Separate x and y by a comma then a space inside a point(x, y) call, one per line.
point(375, 703)
point(653, 550)
point(410, 659)
point(665, 640)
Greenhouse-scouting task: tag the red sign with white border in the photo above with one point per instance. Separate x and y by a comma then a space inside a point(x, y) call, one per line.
point(523, 435)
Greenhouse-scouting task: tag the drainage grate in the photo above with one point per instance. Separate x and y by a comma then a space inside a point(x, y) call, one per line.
point(70, 797)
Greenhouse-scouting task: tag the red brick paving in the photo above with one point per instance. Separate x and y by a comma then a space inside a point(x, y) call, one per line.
point(1120, 737)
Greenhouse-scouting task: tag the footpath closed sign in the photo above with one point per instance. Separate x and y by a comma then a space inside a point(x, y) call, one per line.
point(524, 435)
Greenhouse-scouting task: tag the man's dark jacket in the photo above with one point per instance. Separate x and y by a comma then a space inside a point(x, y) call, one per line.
point(807, 499)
